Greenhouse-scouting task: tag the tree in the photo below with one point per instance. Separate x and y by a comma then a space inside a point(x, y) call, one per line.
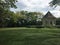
point(20, 16)
point(6, 4)
point(5, 13)
point(23, 12)
point(55, 3)
point(32, 17)
point(5, 18)
point(27, 18)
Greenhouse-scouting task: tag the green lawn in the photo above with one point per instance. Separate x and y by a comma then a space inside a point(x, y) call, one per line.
point(29, 36)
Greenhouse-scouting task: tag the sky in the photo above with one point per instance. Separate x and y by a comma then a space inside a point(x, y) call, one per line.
point(37, 6)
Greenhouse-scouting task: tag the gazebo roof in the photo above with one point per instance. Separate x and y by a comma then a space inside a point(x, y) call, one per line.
point(49, 15)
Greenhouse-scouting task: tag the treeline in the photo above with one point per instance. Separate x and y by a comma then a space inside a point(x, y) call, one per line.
point(20, 18)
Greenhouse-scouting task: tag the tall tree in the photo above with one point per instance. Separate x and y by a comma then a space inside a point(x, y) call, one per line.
point(5, 13)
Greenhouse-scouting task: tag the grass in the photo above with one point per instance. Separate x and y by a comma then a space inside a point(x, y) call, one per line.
point(29, 36)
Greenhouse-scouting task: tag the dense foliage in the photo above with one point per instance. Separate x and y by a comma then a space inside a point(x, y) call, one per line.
point(55, 3)
point(5, 14)
point(25, 18)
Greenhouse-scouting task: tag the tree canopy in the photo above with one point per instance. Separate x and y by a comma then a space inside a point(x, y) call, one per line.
point(6, 16)
point(55, 3)
point(6, 4)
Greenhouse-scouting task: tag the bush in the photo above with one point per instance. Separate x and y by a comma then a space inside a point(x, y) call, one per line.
point(34, 26)
point(57, 26)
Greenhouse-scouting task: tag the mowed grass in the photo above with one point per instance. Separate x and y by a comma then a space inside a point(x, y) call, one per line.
point(29, 36)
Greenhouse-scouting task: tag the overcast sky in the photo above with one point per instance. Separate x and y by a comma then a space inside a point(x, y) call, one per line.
point(38, 6)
